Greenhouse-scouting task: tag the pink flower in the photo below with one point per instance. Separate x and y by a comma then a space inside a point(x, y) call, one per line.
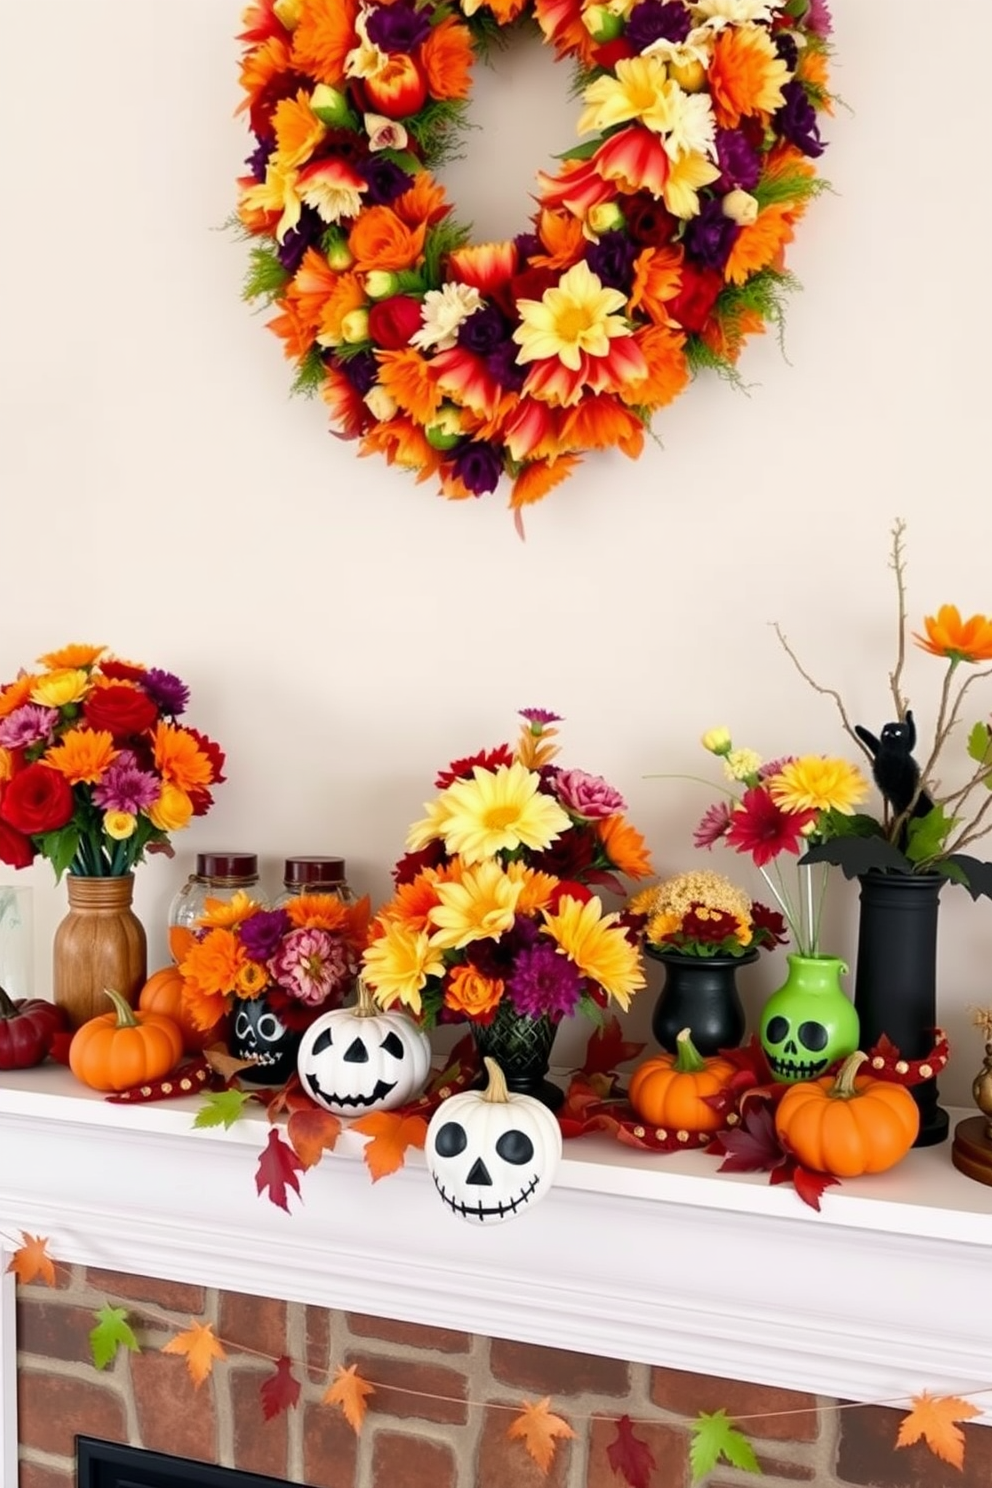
point(313, 965)
point(588, 796)
point(713, 825)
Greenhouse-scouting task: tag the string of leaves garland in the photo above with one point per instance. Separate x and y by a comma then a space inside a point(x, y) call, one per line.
point(715, 1436)
point(657, 247)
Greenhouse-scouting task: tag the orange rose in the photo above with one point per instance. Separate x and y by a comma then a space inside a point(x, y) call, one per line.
point(471, 993)
point(398, 89)
point(381, 240)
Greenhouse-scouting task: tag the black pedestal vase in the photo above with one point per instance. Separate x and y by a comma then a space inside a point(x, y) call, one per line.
point(699, 993)
point(895, 981)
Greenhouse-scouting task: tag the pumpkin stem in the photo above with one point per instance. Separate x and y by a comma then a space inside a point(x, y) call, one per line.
point(688, 1060)
point(496, 1090)
point(7, 1008)
point(123, 1009)
point(843, 1087)
point(366, 1006)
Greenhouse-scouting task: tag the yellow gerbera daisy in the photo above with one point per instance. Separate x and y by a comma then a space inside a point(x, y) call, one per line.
point(481, 907)
point(56, 689)
point(576, 316)
point(816, 783)
point(499, 810)
point(398, 964)
point(598, 946)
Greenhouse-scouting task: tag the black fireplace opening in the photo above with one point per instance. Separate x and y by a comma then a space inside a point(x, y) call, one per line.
point(101, 1464)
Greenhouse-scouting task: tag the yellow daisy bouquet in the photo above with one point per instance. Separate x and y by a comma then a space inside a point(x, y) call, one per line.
point(493, 903)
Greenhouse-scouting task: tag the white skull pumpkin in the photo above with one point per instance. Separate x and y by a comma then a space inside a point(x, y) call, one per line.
point(492, 1155)
point(360, 1059)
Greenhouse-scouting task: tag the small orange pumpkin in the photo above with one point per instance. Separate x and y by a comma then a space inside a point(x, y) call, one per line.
point(848, 1126)
point(123, 1048)
point(669, 1090)
point(163, 993)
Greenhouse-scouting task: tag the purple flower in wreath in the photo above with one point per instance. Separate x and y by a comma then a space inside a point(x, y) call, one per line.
point(398, 27)
point(710, 236)
point(478, 466)
point(262, 933)
point(797, 120)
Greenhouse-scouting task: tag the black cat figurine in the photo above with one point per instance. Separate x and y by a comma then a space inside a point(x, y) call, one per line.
point(894, 769)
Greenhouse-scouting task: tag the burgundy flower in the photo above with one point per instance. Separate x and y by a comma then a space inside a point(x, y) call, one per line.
point(543, 983)
point(769, 926)
point(461, 769)
point(37, 799)
point(261, 933)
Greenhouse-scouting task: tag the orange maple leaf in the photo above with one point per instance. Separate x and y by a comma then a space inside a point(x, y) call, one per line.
point(539, 1428)
point(311, 1133)
point(200, 1347)
point(348, 1390)
point(391, 1135)
point(32, 1260)
point(933, 1418)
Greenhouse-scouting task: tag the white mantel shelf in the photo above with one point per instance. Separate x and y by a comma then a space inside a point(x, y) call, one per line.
point(640, 1256)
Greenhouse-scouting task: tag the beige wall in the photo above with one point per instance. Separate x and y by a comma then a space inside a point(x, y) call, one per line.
point(344, 631)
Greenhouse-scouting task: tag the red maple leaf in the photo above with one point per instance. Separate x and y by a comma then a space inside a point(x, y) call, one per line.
point(753, 1146)
point(280, 1391)
point(607, 1048)
point(277, 1170)
point(311, 1133)
point(630, 1458)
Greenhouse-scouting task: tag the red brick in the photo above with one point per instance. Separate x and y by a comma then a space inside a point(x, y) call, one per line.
point(502, 1462)
point(551, 1371)
point(172, 1296)
point(260, 1446)
point(867, 1454)
point(413, 1387)
point(667, 1444)
point(255, 1323)
point(33, 1476)
point(792, 1472)
point(759, 1410)
point(52, 1409)
point(65, 1277)
point(411, 1461)
point(389, 1330)
point(173, 1415)
point(330, 1448)
point(55, 1330)
point(318, 1341)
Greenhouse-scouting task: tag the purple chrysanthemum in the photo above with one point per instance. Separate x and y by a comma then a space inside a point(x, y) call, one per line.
point(502, 364)
point(27, 725)
point(655, 20)
point(612, 260)
point(796, 119)
point(168, 693)
point(710, 236)
point(126, 788)
point(738, 160)
point(306, 234)
point(313, 965)
point(539, 715)
point(544, 982)
point(483, 331)
point(261, 933)
point(386, 180)
point(398, 27)
point(713, 825)
point(478, 466)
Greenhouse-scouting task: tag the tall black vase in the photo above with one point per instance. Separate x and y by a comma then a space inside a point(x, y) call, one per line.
point(699, 993)
point(895, 980)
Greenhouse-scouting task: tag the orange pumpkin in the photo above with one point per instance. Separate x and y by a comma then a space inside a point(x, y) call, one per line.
point(669, 1090)
point(848, 1126)
point(163, 993)
point(124, 1048)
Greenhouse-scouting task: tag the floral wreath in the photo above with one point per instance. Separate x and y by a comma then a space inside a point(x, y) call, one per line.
point(656, 249)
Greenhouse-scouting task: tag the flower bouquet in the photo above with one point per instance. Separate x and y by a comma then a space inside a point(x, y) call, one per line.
point(702, 928)
point(276, 970)
point(95, 770)
point(493, 919)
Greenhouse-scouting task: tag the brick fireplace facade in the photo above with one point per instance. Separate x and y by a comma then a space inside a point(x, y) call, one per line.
point(433, 1421)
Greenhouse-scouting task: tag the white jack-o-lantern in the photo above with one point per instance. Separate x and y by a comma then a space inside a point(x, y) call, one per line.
point(492, 1155)
point(361, 1059)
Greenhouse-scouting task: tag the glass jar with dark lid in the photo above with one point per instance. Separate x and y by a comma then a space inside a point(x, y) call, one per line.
point(217, 875)
point(315, 875)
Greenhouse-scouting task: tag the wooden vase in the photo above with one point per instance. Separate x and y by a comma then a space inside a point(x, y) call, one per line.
point(100, 943)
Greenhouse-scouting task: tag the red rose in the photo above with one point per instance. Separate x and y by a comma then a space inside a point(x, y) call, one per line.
point(120, 710)
point(399, 88)
point(609, 53)
point(392, 322)
point(692, 305)
point(38, 799)
point(15, 849)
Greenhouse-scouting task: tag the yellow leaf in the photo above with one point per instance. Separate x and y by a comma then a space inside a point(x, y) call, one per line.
point(933, 1418)
point(32, 1260)
point(539, 1428)
point(348, 1390)
point(200, 1347)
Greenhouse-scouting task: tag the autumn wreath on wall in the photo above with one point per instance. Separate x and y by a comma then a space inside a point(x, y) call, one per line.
point(656, 248)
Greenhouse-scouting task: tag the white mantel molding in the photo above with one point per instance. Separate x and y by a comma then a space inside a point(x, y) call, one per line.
point(658, 1259)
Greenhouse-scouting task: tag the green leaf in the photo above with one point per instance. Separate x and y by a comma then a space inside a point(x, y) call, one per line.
point(310, 374)
point(585, 151)
point(835, 824)
point(60, 847)
point(927, 835)
point(222, 1108)
point(714, 1435)
point(980, 744)
point(112, 1332)
point(266, 275)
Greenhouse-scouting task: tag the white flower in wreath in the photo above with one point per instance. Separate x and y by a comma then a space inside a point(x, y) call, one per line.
point(382, 405)
point(444, 311)
point(693, 127)
point(687, 60)
point(741, 207)
point(365, 60)
point(383, 133)
point(734, 12)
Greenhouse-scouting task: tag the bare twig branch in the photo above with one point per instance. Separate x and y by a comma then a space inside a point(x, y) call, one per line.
point(829, 692)
point(898, 565)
